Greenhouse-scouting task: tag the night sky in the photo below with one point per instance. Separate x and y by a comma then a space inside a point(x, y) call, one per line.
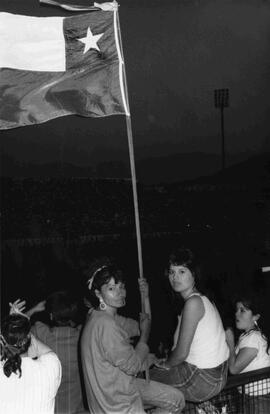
point(176, 54)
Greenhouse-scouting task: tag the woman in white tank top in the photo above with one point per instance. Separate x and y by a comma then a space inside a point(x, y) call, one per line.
point(198, 362)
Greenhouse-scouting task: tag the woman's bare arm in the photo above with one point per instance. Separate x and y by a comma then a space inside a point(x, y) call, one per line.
point(192, 313)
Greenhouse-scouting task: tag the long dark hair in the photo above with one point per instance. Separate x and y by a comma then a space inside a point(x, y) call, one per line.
point(15, 341)
point(182, 256)
point(185, 257)
point(253, 302)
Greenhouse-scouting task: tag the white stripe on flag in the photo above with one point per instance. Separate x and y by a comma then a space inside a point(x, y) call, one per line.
point(32, 43)
point(266, 269)
point(121, 64)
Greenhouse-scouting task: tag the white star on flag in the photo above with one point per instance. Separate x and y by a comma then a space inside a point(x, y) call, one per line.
point(90, 41)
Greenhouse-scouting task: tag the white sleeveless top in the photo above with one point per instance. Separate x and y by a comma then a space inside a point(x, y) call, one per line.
point(209, 347)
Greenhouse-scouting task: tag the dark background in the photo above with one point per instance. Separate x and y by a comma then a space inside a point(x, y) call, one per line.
point(65, 184)
point(176, 53)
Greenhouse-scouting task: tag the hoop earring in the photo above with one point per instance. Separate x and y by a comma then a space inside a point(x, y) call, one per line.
point(102, 305)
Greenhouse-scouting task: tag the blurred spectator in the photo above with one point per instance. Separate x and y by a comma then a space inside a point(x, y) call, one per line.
point(62, 335)
point(251, 351)
point(30, 373)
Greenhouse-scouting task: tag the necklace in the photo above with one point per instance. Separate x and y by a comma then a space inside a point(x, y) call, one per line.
point(191, 294)
point(255, 328)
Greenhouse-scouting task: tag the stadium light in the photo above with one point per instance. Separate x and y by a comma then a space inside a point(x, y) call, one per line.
point(221, 102)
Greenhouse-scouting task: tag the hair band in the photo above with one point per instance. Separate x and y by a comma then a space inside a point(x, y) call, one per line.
point(91, 279)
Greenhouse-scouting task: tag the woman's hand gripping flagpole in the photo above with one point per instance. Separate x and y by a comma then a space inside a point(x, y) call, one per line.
point(145, 311)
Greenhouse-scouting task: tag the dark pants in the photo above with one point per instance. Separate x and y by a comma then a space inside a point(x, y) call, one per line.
point(196, 384)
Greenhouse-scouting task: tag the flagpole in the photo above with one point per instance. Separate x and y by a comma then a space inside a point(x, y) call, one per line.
point(131, 158)
point(1, 175)
point(135, 195)
point(133, 177)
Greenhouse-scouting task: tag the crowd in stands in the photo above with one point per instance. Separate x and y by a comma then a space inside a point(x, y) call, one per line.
point(75, 207)
point(67, 207)
point(52, 355)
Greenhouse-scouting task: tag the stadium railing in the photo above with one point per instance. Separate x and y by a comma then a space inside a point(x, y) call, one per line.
point(247, 393)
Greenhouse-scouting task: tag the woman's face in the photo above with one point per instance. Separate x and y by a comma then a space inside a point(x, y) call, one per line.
point(244, 318)
point(181, 278)
point(113, 294)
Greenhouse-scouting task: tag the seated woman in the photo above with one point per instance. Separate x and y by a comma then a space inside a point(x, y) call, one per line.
point(30, 373)
point(252, 349)
point(110, 362)
point(197, 363)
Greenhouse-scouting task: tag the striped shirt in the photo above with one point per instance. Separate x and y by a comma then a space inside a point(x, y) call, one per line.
point(63, 340)
point(34, 392)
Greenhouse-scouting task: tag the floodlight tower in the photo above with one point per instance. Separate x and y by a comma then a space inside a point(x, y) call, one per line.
point(221, 102)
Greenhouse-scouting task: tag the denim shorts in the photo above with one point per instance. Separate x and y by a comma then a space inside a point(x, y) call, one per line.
point(197, 384)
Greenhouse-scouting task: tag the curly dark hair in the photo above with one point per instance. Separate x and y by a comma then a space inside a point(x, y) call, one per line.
point(16, 341)
point(183, 256)
point(101, 275)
